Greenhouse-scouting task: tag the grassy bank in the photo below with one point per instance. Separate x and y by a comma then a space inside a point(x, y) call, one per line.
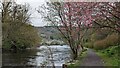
point(110, 56)
point(77, 62)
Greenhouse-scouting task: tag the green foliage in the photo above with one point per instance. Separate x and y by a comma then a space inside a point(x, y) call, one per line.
point(111, 51)
point(17, 30)
point(110, 55)
point(88, 44)
point(27, 37)
point(72, 66)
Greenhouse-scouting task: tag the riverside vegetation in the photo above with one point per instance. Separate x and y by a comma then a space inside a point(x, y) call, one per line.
point(18, 33)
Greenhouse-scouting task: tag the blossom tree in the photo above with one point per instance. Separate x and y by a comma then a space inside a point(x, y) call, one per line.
point(73, 19)
point(108, 15)
point(70, 18)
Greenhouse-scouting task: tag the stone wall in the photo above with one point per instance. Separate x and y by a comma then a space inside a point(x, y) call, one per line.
point(0, 35)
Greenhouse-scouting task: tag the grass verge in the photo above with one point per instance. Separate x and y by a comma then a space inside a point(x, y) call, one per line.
point(77, 62)
point(110, 56)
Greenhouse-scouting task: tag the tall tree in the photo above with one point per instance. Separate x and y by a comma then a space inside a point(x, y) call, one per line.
point(17, 31)
point(70, 18)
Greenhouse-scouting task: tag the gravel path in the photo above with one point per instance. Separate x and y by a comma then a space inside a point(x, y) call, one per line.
point(92, 59)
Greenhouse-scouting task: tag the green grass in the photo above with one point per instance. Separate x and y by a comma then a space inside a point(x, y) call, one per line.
point(110, 56)
point(79, 59)
point(109, 61)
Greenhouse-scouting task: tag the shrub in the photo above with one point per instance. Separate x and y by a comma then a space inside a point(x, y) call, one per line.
point(101, 44)
point(110, 40)
point(100, 34)
point(88, 45)
point(112, 51)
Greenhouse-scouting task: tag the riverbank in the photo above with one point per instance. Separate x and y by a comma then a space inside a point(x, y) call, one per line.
point(40, 56)
point(32, 48)
point(77, 62)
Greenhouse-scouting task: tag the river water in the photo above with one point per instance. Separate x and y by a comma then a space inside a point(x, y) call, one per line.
point(37, 57)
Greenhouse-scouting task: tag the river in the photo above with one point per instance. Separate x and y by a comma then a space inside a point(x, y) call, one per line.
point(37, 57)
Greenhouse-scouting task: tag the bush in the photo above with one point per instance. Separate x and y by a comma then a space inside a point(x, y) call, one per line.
point(110, 40)
point(17, 32)
point(88, 45)
point(100, 34)
point(26, 36)
point(100, 44)
point(111, 51)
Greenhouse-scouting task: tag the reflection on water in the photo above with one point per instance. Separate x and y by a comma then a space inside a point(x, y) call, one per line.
point(38, 56)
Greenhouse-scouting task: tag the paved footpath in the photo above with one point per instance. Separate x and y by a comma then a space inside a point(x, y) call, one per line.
point(92, 59)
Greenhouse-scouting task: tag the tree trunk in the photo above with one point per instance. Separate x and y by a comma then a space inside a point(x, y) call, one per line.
point(14, 47)
point(82, 47)
point(75, 54)
point(74, 50)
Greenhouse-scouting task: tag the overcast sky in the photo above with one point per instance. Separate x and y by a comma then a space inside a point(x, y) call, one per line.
point(36, 20)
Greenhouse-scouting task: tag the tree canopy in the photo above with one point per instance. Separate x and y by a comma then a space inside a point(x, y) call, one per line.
point(75, 18)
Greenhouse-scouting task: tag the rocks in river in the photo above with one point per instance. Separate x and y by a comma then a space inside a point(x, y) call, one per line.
point(32, 57)
point(40, 55)
point(36, 55)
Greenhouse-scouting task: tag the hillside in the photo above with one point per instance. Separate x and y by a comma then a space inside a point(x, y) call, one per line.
point(48, 33)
